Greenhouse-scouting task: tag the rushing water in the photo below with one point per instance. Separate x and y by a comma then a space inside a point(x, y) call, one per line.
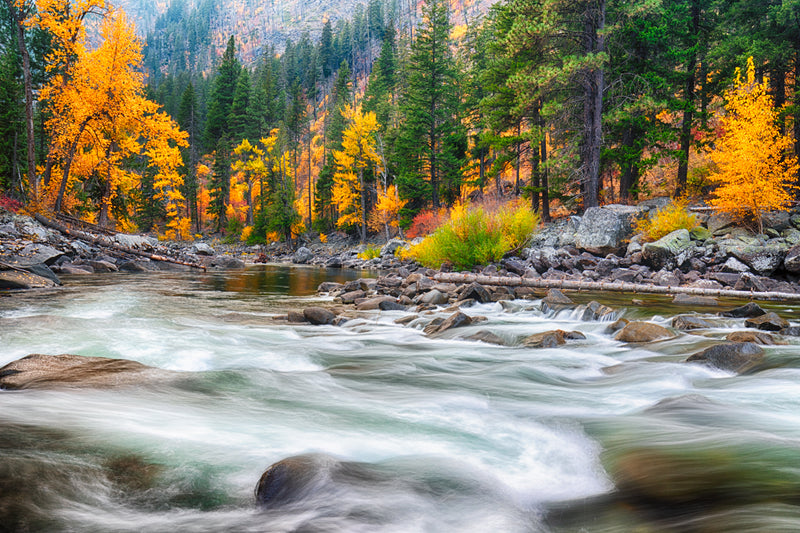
point(444, 434)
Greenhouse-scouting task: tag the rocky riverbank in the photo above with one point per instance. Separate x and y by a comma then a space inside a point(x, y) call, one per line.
point(599, 246)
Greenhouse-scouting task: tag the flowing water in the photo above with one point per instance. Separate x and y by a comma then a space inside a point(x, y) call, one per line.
point(410, 433)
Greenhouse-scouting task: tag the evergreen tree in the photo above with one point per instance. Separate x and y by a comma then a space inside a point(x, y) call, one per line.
point(430, 140)
point(220, 185)
point(188, 115)
point(380, 94)
point(326, 52)
point(221, 98)
point(239, 120)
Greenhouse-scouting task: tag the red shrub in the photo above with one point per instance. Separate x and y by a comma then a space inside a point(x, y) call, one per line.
point(9, 204)
point(426, 222)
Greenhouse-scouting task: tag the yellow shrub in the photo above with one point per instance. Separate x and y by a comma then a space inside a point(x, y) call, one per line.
point(247, 231)
point(323, 238)
point(666, 220)
point(370, 252)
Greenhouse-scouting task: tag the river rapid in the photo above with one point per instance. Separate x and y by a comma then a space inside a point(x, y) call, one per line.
point(439, 434)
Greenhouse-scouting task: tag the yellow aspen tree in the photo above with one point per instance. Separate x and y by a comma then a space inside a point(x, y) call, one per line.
point(754, 170)
point(101, 119)
point(387, 210)
point(357, 154)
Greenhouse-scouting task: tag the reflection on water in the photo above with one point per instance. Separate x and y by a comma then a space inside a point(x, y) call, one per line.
point(420, 434)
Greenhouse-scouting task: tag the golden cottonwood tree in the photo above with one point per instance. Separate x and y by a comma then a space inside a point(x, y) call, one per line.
point(101, 120)
point(357, 154)
point(387, 210)
point(754, 170)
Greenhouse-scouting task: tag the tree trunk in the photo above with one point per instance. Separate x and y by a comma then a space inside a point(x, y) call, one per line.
point(593, 43)
point(363, 204)
point(67, 164)
point(19, 21)
point(688, 112)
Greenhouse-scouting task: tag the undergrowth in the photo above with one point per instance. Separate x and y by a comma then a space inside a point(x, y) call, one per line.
point(672, 217)
point(474, 236)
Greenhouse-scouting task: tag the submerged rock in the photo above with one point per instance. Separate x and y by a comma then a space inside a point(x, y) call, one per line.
point(749, 310)
point(19, 279)
point(757, 337)
point(736, 356)
point(38, 371)
point(690, 299)
point(688, 322)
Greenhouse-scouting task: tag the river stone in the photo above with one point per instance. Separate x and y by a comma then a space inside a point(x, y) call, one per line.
point(735, 266)
point(103, 266)
point(38, 371)
point(617, 325)
point(602, 229)
point(302, 256)
point(70, 268)
point(748, 310)
point(319, 315)
point(757, 337)
point(642, 332)
point(487, 337)
point(736, 356)
point(691, 299)
point(433, 297)
point(391, 305)
point(226, 261)
point(556, 298)
point(545, 339)
point(352, 296)
point(44, 271)
point(669, 251)
point(456, 320)
point(596, 311)
point(19, 279)
point(688, 322)
point(34, 254)
point(292, 479)
point(133, 266)
point(477, 292)
point(329, 286)
point(767, 322)
point(373, 303)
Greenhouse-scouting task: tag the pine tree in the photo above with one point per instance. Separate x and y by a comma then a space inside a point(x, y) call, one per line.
point(219, 188)
point(429, 142)
point(221, 98)
point(188, 115)
point(239, 120)
point(380, 94)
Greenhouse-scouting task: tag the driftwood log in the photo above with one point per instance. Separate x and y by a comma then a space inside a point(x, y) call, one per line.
point(106, 243)
point(615, 286)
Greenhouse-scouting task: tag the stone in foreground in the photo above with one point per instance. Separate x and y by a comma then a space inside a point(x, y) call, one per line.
point(737, 356)
point(643, 332)
point(38, 371)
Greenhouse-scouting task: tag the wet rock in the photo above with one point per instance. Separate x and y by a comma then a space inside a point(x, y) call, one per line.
point(374, 303)
point(487, 337)
point(296, 317)
point(103, 266)
point(292, 479)
point(34, 254)
point(433, 297)
point(22, 279)
point(687, 322)
point(756, 337)
point(669, 251)
point(456, 320)
point(405, 320)
point(391, 305)
point(791, 331)
point(642, 332)
point(692, 300)
point(37, 371)
point(602, 229)
point(352, 296)
point(477, 292)
point(70, 268)
point(133, 266)
point(44, 271)
point(546, 339)
point(329, 286)
point(767, 322)
point(736, 356)
point(596, 311)
point(617, 325)
point(319, 315)
point(302, 256)
point(557, 298)
point(748, 310)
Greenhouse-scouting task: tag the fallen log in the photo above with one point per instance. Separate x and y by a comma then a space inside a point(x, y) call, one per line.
point(612, 286)
point(105, 243)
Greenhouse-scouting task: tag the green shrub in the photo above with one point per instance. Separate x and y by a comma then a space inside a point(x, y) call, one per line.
point(666, 220)
point(474, 237)
point(370, 252)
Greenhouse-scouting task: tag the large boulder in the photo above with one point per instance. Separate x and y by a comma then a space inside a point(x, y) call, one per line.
point(669, 251)
point(602, 230)
point(763, 259)
point(201, 248)
point(748, 310)
point(37, 371)
point(22, 279)
point(477, 292)
point(736, 356)
point(227, 261)
point(792, 260)
point(767, 322)
point(302, 256)
point(391, 247)
point(34, 254)
point(319, 315)
point(140, 242)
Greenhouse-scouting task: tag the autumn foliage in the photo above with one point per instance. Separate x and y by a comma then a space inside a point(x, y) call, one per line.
point(669, 218)
point(754, 170)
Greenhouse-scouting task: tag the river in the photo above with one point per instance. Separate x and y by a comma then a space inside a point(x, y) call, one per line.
point(455, 435)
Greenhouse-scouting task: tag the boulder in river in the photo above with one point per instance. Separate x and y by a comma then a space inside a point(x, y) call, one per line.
point(767, 322)
point(749, 310)
point(757, 337)
point(477, 292)
point(456, 320)
point(736, 356)
point(22, 279)
point(38, 371)
point(689, 322)
point(642, 332)
point(319, 315)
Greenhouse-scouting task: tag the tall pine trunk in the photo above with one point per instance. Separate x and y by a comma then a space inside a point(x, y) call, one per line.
point(593, 80)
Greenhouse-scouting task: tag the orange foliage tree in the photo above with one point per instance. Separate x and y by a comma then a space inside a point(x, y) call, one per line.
point(357, 154)
point(101, 120)
point(754, 170)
